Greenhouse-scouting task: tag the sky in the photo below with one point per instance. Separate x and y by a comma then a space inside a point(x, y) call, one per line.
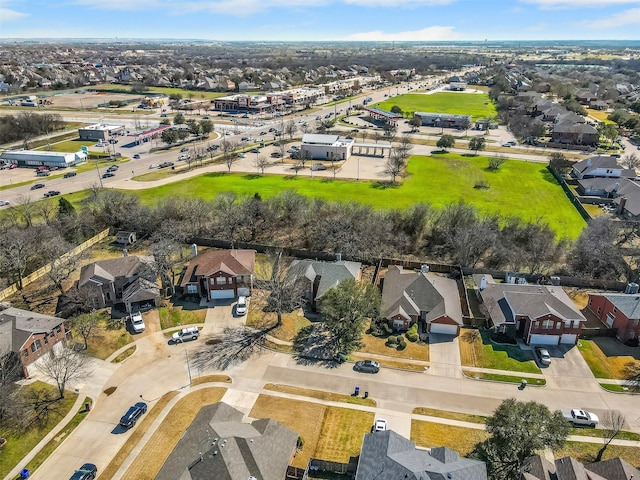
point(322, 20)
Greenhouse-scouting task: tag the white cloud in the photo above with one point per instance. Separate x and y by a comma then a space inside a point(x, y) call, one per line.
point(550, 4)
point(398, 3)
point(434, 33)
point(620, 19)
point(7, 15)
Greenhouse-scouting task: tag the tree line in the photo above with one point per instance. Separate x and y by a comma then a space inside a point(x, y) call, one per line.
point(28, 125)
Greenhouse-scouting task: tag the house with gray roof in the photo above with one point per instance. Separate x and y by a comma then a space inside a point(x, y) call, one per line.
point(127, 283)
point(409, 297)
point(219, 444)
point(618, 310)
point(319, 277)
point(568, 468)
point(389, 456)
point(539, 314)
point(628, 199)
point(601, 166)
point(27, 336)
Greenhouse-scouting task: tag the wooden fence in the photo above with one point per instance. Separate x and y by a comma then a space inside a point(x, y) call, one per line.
point(42, 271)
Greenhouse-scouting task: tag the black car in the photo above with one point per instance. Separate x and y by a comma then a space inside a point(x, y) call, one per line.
point(108, 175)
point(130, 418)
point(367, 366)
point(51, 193)
point(70, 174)
point(88, 471)
point(166, 164)
point(36, 186)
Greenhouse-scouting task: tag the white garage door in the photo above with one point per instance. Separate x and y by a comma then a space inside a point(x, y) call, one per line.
point(569, 338)
point(443, 328)
point(544, 339)
point(218, 294)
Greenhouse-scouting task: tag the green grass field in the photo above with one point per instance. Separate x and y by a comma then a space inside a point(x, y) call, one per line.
point(522, 189)
point(165, 90)
point(476, 105)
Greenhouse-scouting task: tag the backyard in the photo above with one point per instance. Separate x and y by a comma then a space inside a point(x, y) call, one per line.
point(477, 350)
point(477, 105)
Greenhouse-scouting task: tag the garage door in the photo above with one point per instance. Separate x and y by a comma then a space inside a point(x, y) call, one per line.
point(569, 338)
point(544, 339)
point(218, 294)
point(443, 328)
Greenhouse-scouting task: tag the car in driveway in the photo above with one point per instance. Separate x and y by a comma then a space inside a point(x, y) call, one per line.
point(137, 322)
point(543, 356)
point(367, 366)
point(241, 306)
point(130, 418)
point(380, 425)
point(36, 186)
point(188, 333)
point(88, 471)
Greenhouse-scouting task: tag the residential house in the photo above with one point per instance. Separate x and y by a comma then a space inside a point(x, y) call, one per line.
point(628, 199)
point(539, 468)
point(602, 166)
point(575, 134)
point(320, 277)
point(539, 314)
point(127, 283)
point(219, 445)
point(617, 310)
point(27, 336)
point(220, 274)
point(600, 187)
point(585, 96)
point(389, 456)
point(409, 297)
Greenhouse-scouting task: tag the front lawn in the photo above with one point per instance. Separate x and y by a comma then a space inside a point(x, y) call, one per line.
point(601, 365)
point(477, 350)
point(462, 440)
point(108, 337)
point(329, 433)
point(477, 105)
point(462, 417)
point(376, 345)
point(292, 322)
point(180, 312)
point(20, 442)
point(586, 452)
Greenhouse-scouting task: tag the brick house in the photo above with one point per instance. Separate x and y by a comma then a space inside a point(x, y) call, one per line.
point(409, 297)
point(28, 336)
point(539, 314)
point(617, 310)
point(220, 274)
point(317, 278)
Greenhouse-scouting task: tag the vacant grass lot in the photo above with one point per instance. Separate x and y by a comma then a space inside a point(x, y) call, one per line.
point(477, 105)
point(601, 365)
point(462, 440)
point(478, 351)
point(329, 433)
point(521, 189)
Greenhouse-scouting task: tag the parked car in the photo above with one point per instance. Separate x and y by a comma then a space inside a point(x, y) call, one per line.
point(263, 133)
point(70, 174)
point(43, 173)
point(12, 166)
point(188, 333)
point(380, 425)
point(276, 154)
point(242, 155)
point(318, 166)
point(184, 149)
point(580, 417)
point(543, 355)
point(113, 168)
point(130, 418)
point(255, 150)
point(36, 186)
point(137, 322)
point(51, 193)
point(154, 165)
point(185, 156)
point(3, 203)
point(166, 164)
point(88, 471)
point(108, 175)
point(367, 366)
point(241, 306)
point(136, 156)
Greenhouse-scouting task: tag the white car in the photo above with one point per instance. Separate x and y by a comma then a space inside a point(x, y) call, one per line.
point(184, 157)
point(137, 323)
point(380, 425)
point(3, 203)
point(241, 306)
point(154, 165)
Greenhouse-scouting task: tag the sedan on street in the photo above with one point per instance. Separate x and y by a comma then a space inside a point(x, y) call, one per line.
point(88, 471)
point(36, 186)
point(108, 175)
point(367, 366)
point(130, 418)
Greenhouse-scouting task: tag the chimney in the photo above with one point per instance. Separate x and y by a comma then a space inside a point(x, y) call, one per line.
point(616, 187)
point(338, 257)
point(483, 283)
point(588, 162)
point(623, 203)
point(194, 249)
point(125, 253)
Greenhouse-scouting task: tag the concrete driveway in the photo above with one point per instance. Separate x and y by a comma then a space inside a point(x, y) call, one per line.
point(444, 356)
point(568, 370)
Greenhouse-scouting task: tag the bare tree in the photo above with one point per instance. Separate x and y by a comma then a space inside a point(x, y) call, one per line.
point(18, 252)
point(631, 161)
point(47, 209)
point(228, 152)
point(405, 146)
point(291, 128)
point(612, 423)
point(86, 325)
point(26, 209)
point(261, 163)
point(632, 375)
point(61, 261)
point(395, 164)
point(298, 166)
point(64, 367)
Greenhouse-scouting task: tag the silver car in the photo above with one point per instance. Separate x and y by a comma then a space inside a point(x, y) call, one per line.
point(543, 356)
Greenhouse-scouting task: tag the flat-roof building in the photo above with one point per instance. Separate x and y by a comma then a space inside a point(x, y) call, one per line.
point(443, 120)
point(325, 147)
point(99, 131)
point(36, 158)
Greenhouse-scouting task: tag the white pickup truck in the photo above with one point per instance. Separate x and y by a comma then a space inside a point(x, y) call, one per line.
point(581, 417)
point(188, 333)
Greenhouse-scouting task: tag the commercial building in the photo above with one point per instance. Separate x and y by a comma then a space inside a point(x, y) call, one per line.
point(100, 131)
point(443, 120)
point(34, 158)
point(325, 147)
point(379, 115)
point(249, 103)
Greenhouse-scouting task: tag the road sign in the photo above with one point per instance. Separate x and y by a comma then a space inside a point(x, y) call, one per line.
point(84, 149)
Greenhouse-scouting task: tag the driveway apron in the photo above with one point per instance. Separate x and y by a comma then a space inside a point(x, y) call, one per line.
point(444, 356)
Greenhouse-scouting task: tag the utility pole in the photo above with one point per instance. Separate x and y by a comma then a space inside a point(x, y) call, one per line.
point(98, 172)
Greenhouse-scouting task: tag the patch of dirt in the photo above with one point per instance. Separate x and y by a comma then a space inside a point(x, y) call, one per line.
point(213, 341)
point(110, 390)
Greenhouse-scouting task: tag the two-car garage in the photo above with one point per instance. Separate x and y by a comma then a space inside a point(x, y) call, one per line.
point(564, 339)
point(444, 328)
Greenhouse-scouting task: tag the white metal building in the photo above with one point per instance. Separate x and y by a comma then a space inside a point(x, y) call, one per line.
point(325, 147)
point(36, 158)
point(99, 131)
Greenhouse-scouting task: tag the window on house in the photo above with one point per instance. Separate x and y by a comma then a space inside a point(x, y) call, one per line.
point(590, 301)
point(58, 329)
point(25, 352)
point(558, 325)
point(36, 345)
point(599, 310)
point(192, 289)
point(221, 280)
point(46, 340)
point(615, 309)
point(536, 324)
point(52, 334)
point(212, 281)
point(547, 324)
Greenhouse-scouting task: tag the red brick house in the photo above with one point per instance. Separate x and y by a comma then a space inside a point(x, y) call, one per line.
point(618, 310)
point(220, 274)
point(409, 297)
point(28, 336)
point(539, 314)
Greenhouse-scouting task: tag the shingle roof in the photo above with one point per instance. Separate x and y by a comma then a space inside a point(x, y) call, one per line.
point(105, 271)
point(630, 190)
point(219, 445)
point(537, 467)
point(233, 262)
point(599, 161)
point(614, 469)
point(626, 303)
point(389, 456)
point(17, 326)
point(331, 273)
point(409, 293)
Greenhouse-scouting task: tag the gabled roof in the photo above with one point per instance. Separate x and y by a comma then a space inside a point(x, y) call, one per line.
point(569, 468)
point(614, 469)
point(607, 184)
point(389, 456)
point(17, 326)
point(231, 262)
point(409, 293)
point(593, 163)
point(574, 128)
point(140, 290)
point(630, 190)
point(218, 444)
point(330, 274)
point(106, 271)
point(628, 304)
point(537, 467)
